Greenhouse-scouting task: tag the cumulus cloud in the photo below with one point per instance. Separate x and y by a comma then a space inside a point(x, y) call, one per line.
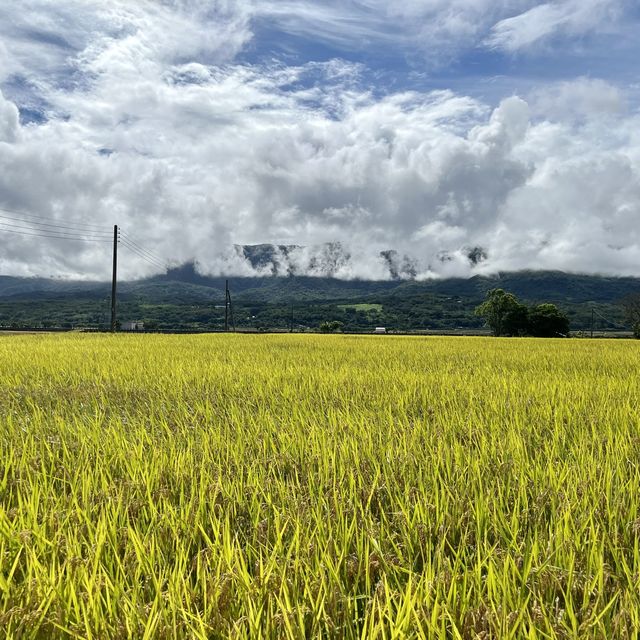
point(194, 154)
point(578, 99)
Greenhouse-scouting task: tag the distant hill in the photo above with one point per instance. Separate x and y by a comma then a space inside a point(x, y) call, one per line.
point(186, 298)
point(554, 286)
point(185, 282)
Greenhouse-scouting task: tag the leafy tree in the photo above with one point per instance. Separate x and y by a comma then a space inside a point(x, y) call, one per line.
point(331, 327)
point(517, 321)
point(503, 314)
point(547, 321)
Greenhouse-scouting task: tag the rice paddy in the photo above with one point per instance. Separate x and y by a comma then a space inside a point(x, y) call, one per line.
point(318, 486)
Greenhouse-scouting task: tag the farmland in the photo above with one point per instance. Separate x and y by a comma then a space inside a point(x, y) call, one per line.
point(318, 486)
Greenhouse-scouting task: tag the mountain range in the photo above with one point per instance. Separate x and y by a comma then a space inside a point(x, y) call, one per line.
point(190, 284)
point(185, 297)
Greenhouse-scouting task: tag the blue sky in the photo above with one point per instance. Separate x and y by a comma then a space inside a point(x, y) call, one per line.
point(429, 127)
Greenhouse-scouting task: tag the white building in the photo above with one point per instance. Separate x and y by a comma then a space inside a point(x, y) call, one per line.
point(380, 330)
point(132, 325)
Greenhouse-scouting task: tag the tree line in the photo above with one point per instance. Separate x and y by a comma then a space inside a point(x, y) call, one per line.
point(505, 315)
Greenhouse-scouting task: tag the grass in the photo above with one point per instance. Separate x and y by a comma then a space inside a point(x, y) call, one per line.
point(318, 486)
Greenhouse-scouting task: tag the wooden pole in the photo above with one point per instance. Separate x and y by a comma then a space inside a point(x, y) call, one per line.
point(226, 306)
point(114, 278)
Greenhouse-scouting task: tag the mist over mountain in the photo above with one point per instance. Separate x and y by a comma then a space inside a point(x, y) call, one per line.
point(336, 260)
point(186, 283)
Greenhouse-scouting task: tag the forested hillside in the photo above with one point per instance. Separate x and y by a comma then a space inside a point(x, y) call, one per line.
point(184, 299)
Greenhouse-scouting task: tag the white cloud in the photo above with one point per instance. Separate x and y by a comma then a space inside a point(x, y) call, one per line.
point(578, 99)
point(9, 121)
point(437, 28)
point(192, 153)
point(550, 19)
point(54, 43)
point(433, 32)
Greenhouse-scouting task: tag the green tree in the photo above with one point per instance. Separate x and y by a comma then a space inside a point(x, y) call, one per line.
point(547, 321)
point(503, 314)
point(331, 327)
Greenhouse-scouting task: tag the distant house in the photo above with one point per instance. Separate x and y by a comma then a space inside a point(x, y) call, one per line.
point(380, 330)
point(132, 325)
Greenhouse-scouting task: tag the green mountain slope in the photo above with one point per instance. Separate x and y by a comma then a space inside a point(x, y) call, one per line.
point(183, 298)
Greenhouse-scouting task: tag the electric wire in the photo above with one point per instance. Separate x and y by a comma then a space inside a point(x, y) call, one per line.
point(25, 224)
point(139, 255)
point(49, 220)
point(145, 253)
point(143, 249)
point(52, 226)
point(92, 235)
point(613, 324)
point(137, 250)
point(58, 237)
point(152, 261)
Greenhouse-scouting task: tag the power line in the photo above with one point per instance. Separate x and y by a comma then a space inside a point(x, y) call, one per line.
point(93, 236)
point(58, 237)
point(63, 232)
point(151, 254)
point(31, 225)
point(146, 253)
point(143, 253)
point(613, 324)
point(46, 227)
point(140, 255)
point(152, 261)
point(142, 250)
point(50, 220)
point(51, 232)
point(37, 225)
point(161, 267)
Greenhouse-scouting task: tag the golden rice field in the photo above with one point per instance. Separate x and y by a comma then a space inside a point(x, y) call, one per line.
point(318, 487)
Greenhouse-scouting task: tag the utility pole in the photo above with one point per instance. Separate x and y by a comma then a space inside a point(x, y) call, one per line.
point(592, 312)
point(228, 309)
point(114, 277)
point(226, 306)
point(291, 320)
